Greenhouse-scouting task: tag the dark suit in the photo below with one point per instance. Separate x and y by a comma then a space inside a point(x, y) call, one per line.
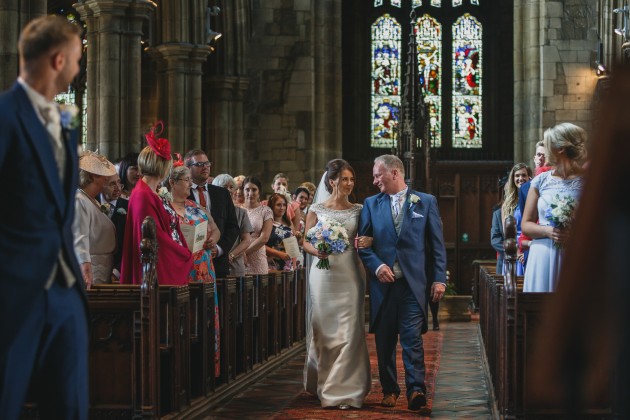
point(43, 332)
point(497, 238)
point(224, 214)
point(400, 308)
point(119, 218)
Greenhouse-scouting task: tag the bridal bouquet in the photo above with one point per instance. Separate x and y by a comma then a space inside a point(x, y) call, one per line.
point(329, 237)
point(560, 213)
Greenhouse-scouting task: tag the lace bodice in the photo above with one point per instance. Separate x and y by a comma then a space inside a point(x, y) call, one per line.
point(549, 186)
point(348, 218)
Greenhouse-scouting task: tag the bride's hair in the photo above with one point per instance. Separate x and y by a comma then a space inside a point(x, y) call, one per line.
point(333, 170)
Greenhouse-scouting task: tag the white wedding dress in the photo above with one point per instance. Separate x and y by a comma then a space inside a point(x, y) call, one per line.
point(337, 363)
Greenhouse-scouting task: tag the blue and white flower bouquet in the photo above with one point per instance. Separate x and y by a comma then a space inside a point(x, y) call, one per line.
point(329, 237)
point(560, 213)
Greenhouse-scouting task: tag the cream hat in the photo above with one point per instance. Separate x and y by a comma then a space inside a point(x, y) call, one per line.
point(96, 164)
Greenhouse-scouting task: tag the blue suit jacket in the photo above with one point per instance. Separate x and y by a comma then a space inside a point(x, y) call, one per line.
point(419, 248)
point(36, 212)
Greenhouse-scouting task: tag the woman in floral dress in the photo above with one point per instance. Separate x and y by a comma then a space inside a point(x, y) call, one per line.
point(276, 255)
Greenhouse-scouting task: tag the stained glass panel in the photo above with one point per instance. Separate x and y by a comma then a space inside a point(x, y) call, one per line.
point(457, 3)
point(416, 3)
point(386, 40)
point(467, 82)
point(474, 2)
point(436, 3)
point(396, 3)
point(378, 3)
point(429, 49)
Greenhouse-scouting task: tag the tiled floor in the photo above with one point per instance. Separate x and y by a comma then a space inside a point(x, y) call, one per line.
point(461, 391)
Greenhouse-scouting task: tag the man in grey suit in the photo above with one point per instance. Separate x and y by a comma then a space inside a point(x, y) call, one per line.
point(408, 265)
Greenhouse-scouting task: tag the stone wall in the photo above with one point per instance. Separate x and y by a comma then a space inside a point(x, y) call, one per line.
point(555, 44)
point(292, 109)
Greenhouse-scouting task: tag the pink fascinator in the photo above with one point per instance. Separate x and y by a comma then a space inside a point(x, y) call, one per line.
point(159, 145)
point(178, 161)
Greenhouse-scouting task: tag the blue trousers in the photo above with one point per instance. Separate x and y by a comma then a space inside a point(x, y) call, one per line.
point(400, 314)
point(49, 356)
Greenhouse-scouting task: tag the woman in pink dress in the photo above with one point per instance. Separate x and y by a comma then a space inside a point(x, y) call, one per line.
point(261, 218)
point(174, 259)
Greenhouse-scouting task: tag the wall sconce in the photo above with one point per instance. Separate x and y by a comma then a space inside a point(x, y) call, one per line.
point(212, 35)
point(624, 31)
point(600, 68)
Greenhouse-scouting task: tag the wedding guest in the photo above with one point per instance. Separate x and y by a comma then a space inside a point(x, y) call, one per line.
point(280, 183)
point(238, 180)
point(116, 207)
point(94, 233)
point(239, 197)
point(190, 213)
point(497, 236)
point(43, 317)
point(218, 202)
point(566, 145)
point(277, 258)
point(519, 174)
point(128, 173)
point(174, 259)
point(261, 218)
point(236, 256)
point(300, 201)
point(311, 189)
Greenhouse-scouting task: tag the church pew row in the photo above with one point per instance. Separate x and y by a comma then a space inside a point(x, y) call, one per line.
point(256, 325)
point(508, 326)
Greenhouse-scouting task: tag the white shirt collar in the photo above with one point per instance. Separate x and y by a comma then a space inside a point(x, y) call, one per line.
point(37, 99)
point(399, 194)
point(195, 186)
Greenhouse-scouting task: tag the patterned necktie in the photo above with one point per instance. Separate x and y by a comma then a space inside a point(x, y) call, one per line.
point(202, 197)
point(53, 126)
point(396, 203)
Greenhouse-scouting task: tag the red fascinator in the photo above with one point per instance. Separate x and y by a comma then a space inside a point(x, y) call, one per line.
point(178, 161)
point(159, 145)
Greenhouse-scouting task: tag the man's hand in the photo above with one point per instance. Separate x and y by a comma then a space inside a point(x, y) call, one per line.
point(437, 291)
point(86, 272)
point(385, 275)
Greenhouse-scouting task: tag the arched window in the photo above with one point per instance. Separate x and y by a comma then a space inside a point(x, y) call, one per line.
point(451, 84)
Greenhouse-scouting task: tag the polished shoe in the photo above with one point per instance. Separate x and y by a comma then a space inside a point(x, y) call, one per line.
point(436, 327)
point(416, 400)
point(343, 407)
point(389, 400)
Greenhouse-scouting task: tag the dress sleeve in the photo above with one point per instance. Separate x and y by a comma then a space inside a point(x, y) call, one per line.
point(267, 214)
point(81, 231)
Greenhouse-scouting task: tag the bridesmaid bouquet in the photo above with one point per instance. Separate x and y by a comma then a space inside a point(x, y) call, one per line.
point(560, 213)
point(329, 237)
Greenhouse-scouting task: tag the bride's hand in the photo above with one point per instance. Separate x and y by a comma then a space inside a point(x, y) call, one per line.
point(364, 242)
point(322, 255)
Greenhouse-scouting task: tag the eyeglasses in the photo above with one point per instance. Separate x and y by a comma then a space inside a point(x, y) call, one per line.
point(201, 164)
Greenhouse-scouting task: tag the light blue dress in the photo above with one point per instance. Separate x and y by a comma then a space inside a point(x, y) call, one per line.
point(543, 263)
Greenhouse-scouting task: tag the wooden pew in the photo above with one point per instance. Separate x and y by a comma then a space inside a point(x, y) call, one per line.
point(202, 342)
point(509, 320)
point(274, 308)
point(244, 324)
point(260, 319)
point(227, 320)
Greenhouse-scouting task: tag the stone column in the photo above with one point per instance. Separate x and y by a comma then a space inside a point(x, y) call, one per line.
point(113, 93)
point(180, 92)
point(224, 123)
point(14, 15)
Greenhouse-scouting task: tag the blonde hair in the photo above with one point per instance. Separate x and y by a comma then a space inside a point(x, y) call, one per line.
point(566, 136)
point(151, 164)
point(42, 35)
point(510, 198)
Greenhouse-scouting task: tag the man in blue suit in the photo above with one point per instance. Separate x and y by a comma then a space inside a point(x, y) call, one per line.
point(408, 263)
point(43, 328)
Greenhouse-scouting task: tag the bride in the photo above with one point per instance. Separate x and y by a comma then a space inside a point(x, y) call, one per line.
point(337, 366)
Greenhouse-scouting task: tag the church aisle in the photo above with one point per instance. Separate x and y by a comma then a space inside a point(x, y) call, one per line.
point(459, 388)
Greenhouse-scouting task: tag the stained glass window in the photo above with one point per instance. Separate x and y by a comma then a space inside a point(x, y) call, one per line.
point(474, 2)
point(416, 3)
point(436, 3)
point(467, 82)
point(396, 3)
point(457, 3)
point(429, 45)
point(378, 3)
point(386, 40)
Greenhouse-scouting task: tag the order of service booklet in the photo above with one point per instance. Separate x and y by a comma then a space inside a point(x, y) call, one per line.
point(195, 235)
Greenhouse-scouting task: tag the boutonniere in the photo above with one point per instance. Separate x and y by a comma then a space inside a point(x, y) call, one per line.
point(413, 199)
point(164, 193)
point(121, 211)
point(69, 116)
point(105, 207)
